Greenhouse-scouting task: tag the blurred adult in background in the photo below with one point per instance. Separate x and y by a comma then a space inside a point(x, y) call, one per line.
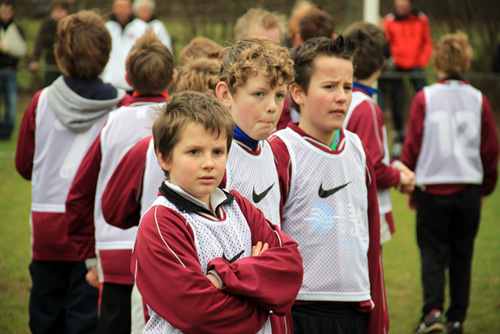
point(12, 47)
point(144, 10)
point(44, 43)
point(410, 45)
point(124, 29)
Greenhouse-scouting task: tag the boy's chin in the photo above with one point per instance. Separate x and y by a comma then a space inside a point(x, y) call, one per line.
point(262, 135)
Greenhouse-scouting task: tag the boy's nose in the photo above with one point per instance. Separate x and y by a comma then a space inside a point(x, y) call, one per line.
point(208, 163)
point(272, 106)
point(341, 95)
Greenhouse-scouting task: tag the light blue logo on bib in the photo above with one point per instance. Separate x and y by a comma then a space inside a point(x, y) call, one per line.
point(321, 218)
point(350, 244)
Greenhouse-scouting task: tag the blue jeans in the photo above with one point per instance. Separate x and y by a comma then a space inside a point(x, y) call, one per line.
point(8, 90)
point(395, 88)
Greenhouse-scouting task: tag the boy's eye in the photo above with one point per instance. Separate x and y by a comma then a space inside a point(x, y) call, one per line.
point(259, 94)
point(193, 151)
point(218, 152)
point(348, 87)
point(280, 96)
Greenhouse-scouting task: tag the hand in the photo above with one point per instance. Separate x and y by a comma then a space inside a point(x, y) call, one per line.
point(215, 281)
point(92, 277)
point(33, 66)
point(259, 248)
point(400, 166)
point(407, 181)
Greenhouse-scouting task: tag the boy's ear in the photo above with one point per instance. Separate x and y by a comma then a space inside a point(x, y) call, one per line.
point(298, 40)
point(223, 93)
point(175, 75)
point(297, 94)
point(127, 79)
point(161, 160)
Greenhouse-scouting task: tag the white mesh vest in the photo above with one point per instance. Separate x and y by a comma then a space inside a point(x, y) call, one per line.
point(383, 195)
point(125, 127)
point(213, 239)
point(58, 154)
point(452, 135)
point(326, 214)
point(256, 178)
point(153, 178)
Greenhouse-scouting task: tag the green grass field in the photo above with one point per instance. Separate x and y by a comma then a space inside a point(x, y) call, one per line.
point(401, 260)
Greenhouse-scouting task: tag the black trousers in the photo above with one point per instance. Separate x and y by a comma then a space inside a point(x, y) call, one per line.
point(446, 229)
point(395, 89)
point(115, 309)
point(61, 300)
point(324, 318)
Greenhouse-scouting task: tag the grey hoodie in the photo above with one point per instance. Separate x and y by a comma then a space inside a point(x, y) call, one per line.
point(74, 111)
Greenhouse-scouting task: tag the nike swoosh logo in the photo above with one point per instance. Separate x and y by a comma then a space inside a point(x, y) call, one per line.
point(259, 197)
point(236, 257)
point(326, 193)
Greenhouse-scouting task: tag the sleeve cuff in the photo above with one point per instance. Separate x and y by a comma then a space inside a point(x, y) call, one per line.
point(213, 272)
point(396, 164)
point(91, 262)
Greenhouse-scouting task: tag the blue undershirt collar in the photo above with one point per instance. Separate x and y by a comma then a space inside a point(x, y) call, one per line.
point(370, 90)
point(244, 138)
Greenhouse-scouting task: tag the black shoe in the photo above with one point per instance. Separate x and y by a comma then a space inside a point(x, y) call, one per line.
point(454, 327)
point(431, 323)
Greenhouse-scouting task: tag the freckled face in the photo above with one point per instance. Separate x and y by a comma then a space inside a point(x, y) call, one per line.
point(198, 161)
point(256, 106)
point(324, 106)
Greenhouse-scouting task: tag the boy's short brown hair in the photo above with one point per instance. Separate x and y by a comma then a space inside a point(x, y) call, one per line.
point(316, 23)
point(453, 54)
point(62, 4)
point(258, 18)
point(199, 47)
point(304, 55)
point(190, 107)
point(200, 75)
point(82, 45)
point(251, 56)
point(149, 65)
point(301, 8)
point(370, 44)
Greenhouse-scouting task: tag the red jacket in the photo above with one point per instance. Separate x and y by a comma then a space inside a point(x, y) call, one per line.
point(410, 40)
point(168, 275)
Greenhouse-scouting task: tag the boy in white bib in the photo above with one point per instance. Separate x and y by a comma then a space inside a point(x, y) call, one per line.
point(254, 80)
point(330, 201)
point(452, 145)
point(206, 260)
